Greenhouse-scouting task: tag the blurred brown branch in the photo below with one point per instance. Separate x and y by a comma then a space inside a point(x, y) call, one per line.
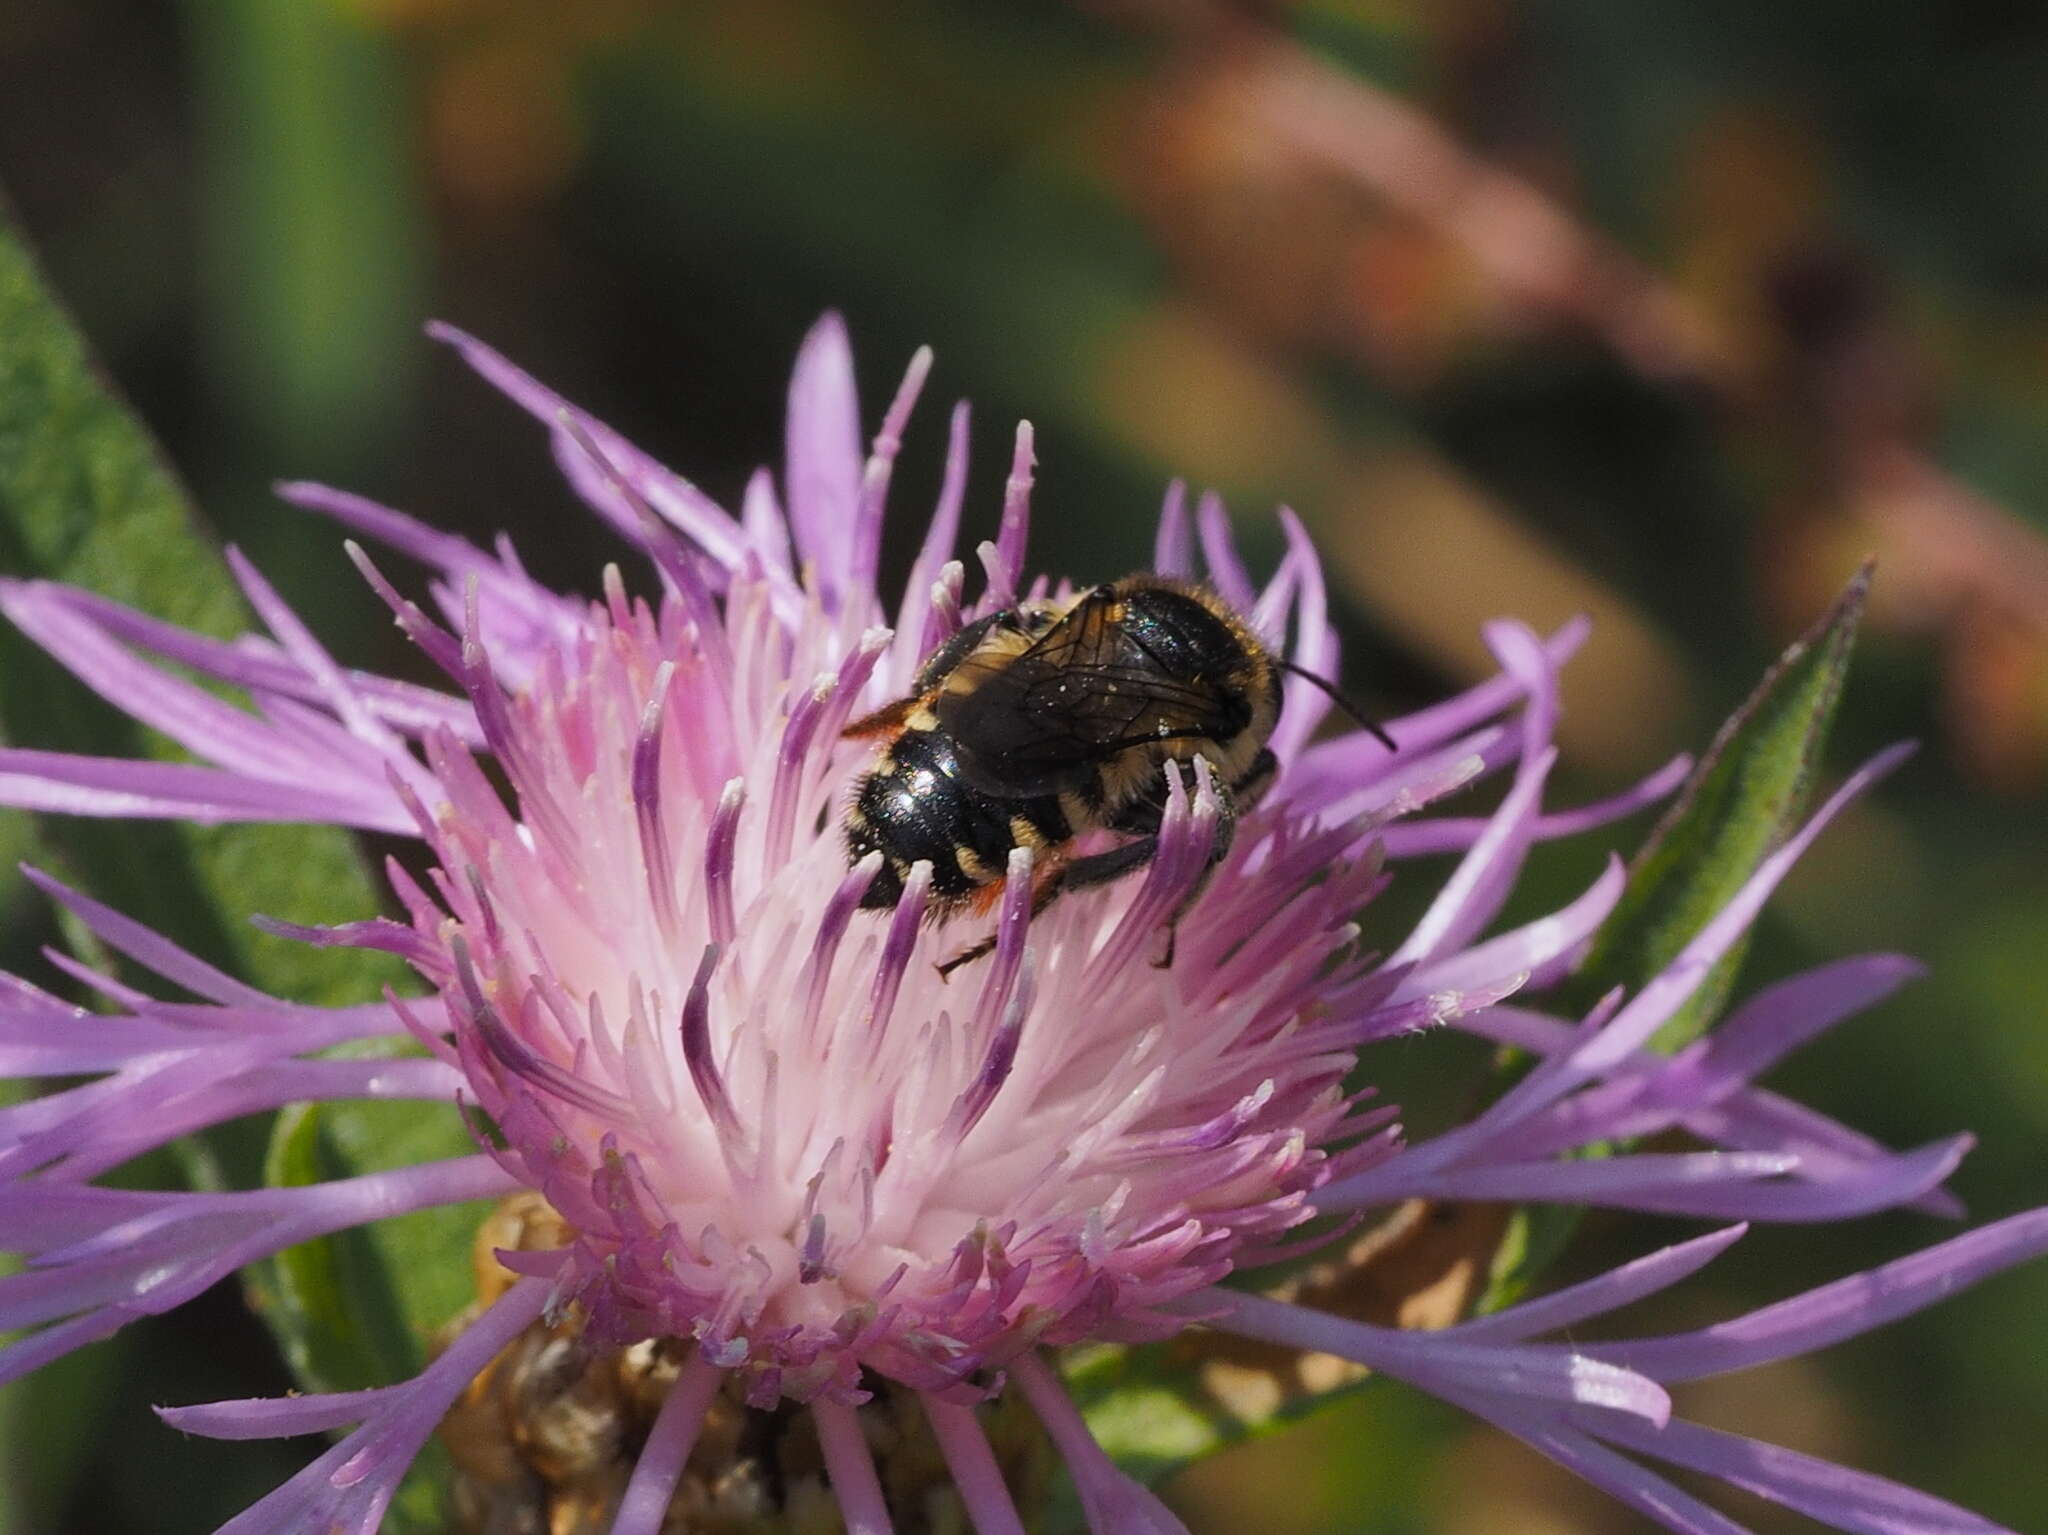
point(1271, 118)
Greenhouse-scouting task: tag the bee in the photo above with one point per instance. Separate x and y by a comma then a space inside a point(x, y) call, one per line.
point(1039, 723)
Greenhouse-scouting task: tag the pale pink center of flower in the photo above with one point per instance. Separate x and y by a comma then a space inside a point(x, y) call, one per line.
point(776, 1126)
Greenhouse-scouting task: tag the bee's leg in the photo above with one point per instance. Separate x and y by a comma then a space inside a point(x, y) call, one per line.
point(1072, 874)
point(1101, 868)
point(967, 956)
point(882, 721)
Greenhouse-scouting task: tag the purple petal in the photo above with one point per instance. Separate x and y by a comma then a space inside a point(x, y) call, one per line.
point(1173, 551)
point(1637, 1486)
point(1534, 950)
point(976, 1476)
point(915, 613)
point(1608, 1292)
point(1781, 1018)
point(1638, 1021)
point(1838, 1497)
point(660, 1466)
point(59, 783)
point(1305, 705)
point(1450, 834)
point(1226, 567)
point(255, 663)
point(1333, 768)
point(286, 1417)
point(1437, 1364)
point(822, 462)
point(204, 725)
point(694, 514)
point(881, 467)
point(346, 1490)
point(1639, 1181)
point(850, 1466)
point(1112, 1503)
point(1844, 1309)
point(149, 949)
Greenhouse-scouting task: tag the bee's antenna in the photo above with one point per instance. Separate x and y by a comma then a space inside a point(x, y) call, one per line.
point(1329, 688)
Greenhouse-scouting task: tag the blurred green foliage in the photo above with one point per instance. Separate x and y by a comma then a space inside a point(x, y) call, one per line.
point(1793, 314)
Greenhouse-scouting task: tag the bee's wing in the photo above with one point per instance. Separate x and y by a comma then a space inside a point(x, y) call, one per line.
point(1083, 693)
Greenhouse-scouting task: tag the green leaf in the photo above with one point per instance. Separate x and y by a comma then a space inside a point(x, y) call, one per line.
point(1748, 794)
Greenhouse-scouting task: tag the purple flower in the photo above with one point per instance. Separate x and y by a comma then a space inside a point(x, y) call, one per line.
point(773, 1131)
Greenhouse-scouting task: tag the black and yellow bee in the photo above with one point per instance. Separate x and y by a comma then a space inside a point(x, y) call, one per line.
point(1038, 723)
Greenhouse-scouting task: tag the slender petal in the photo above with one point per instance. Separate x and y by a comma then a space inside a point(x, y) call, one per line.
point(660, 1466)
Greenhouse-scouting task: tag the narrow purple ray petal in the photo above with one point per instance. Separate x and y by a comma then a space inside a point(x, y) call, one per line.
point(1533, 950)
point(408, 535)
point(1608, 1292)
point(916, 615)
point(822, 458)
point(254, 663)
point(1112, 1503)
point(1641, 1018)
point(1781, 1018)
point(1330, 772)
point(124, 1117)
point(700, 519)
point(328, 678)
point(1315, 649)
point(1651, 1092)
point(434, 642)
point(347, 1490)
point(1450, 834)
point(1756, 1120)
point(1006, 572)
point(1607, 1180)
point(1635, 1023)
point(1532, 1371)
point(1636, 1486)
point(881, 466)
point(1838, 1497)
point(372, 933)
point(1843, 1309)
point(146, 947)
point(204, 725)
point(976, 1476)
point(1479, 886)
point(58, 783)
point(851, 1468)
point(175, 1245)
point(660, 1466)
point(1173, 549)
point(1225, 567)
point(280, 1417)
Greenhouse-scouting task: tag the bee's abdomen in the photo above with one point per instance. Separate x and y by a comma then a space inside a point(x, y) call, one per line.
point(914, 807)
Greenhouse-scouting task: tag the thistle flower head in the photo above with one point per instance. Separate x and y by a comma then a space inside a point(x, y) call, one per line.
point(772, 1130)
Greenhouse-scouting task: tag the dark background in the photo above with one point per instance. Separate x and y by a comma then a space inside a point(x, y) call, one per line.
point(1670, 312)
